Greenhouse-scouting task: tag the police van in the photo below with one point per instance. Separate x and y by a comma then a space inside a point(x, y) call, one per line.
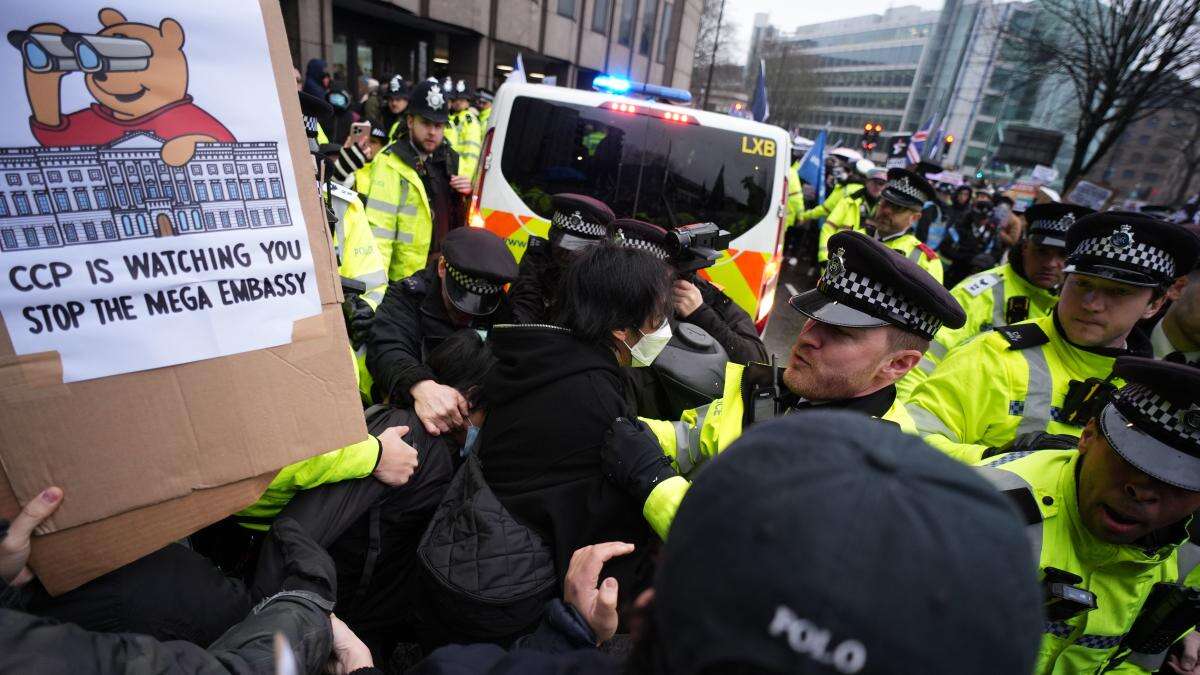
point(660, 163)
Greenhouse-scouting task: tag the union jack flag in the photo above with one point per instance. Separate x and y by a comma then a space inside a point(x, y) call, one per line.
point(916, 146)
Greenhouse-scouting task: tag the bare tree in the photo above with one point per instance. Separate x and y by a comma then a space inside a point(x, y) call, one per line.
point(1121, 57)
point(794, 87)
point(1189, 111)
point(716, 43)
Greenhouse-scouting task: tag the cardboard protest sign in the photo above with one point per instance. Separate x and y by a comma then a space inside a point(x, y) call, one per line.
point(1089, 194)
point(171, 327)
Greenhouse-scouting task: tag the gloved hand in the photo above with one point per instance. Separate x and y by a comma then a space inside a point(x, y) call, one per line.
point(1035, 440)
point(632, 458)
point(359, 317)
point(349, 160)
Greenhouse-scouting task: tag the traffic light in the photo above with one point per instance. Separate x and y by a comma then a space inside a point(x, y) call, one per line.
point(946, 143)
point(870, 137)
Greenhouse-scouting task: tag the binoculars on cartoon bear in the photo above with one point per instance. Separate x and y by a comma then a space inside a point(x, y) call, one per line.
point(47, 52)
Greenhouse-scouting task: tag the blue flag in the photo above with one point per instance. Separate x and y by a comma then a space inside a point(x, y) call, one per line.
point(812, 166)
point(759, 108)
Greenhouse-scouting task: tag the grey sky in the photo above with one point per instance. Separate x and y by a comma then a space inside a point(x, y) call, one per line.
point(787, 14)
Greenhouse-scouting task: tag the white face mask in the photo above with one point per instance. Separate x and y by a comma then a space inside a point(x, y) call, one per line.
point(650, 346)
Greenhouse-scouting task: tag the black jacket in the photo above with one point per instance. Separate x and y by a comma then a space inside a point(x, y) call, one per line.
point(534, 295)
point(729, 324)
point(409, 323)
point(553, 399)
point(299, 611)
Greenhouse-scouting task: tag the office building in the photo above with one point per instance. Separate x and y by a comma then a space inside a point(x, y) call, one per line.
point(570, 41)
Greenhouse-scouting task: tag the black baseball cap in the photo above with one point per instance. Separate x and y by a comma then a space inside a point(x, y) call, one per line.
point(429, 101)
point(1154, 420)
point(907, 189)
point(867, 284)
point(578, 221)
point(1050, 222)
point(1131, 248)
point(827, 542)
point(478, 264)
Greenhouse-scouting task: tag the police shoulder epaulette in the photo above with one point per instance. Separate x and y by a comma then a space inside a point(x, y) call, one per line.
point(981, 283)
point(341, 192)
point(930, 254)
point(856, 191)
point(1023, 335)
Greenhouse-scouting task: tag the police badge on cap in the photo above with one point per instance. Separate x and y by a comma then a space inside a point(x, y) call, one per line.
point(1131, 248)
point(1154, 420)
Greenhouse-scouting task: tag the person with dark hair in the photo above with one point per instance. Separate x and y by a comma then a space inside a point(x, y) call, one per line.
point(371, 530)
point(578, 222)
point(1049, 374)
point(774, 566)
point(1025, 287)
point(870, 318)
point(972, 242)
point(556, 390)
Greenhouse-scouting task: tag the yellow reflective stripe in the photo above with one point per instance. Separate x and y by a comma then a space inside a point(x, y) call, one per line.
point(373, 279)
point(938, 349)
point(687, 441)
point(915, 255)
point(1036, 413)
point(382, 206)
point(929, 423)
point(926, 365)
point(998, 318)
point(373, 298)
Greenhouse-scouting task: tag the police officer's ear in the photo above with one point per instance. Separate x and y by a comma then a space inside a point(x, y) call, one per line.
point(1089, 437)
point(1157, 300)
point(441, 268)
point(1175, 291)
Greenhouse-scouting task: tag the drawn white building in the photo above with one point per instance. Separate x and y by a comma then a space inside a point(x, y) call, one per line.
point(52, 197)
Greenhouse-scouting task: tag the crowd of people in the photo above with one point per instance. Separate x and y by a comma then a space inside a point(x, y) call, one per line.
point(981, 454)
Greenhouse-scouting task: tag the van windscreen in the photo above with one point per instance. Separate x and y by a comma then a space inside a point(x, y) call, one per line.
point(643, 167)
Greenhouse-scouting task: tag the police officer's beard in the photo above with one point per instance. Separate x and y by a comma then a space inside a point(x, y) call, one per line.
point(832, 385)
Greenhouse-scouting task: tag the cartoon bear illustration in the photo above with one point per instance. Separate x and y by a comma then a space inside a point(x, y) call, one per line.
point(147, 94)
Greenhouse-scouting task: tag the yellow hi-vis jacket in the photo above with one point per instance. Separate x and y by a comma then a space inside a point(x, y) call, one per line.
point(464, 132)
point(985, 297)
point(915, 250)
point(846, 215)
point(826, 207)
point(358, 258)
point(1121, 576)
point(700, 434)
point(795, 196)
point(484, 116)
point(399, 212)
point(1000, 385)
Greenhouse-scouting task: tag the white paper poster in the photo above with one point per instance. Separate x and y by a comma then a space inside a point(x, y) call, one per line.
point(148, 208)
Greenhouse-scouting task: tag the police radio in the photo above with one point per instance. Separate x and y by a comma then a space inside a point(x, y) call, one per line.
point(1169, 611)
point(696, 246)
point(1063, 598)
point(1085, 400)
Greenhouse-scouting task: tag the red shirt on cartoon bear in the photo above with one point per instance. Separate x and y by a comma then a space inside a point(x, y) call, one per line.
point(96, 125)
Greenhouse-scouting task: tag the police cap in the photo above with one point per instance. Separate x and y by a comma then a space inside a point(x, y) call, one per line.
point(429, 101)
point(643, 236)
point(785, 532)
point(867, 284)
point(478, 264)
point(578, 221)
point(1050, 222)
point(484, 94)
point(1154, 420)
point(397, 88)
point(312, 109)
point(908, 190)
point(460, 89)
point(1131, 248)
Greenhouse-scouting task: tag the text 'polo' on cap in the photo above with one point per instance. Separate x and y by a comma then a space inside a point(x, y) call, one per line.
point(1154, 420)
point(828, 542)
point(1049, 223)
point(866, 284)
point(1131, 248)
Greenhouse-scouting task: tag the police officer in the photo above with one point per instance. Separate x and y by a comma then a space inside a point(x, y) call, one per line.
point(899, 208)
point(465, 290)
point(1025, 287)
point(852, 209)
point(1109, 520)
point(395, 101)
point(1176, 336)
point(1047, 374)
point(483, 103)
point(795, 189)
point(871, 317)
point(414, 197)
point(464, 131)
point(578, 221)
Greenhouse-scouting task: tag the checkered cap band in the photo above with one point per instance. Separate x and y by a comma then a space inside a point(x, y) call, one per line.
point(575, 222)
point(1173, 425)
point(1138, 254)
point(643, 245)
point(878, 300)
point(310, 125)
point(906, 188)
point(473, 284)
point(1051, 226)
